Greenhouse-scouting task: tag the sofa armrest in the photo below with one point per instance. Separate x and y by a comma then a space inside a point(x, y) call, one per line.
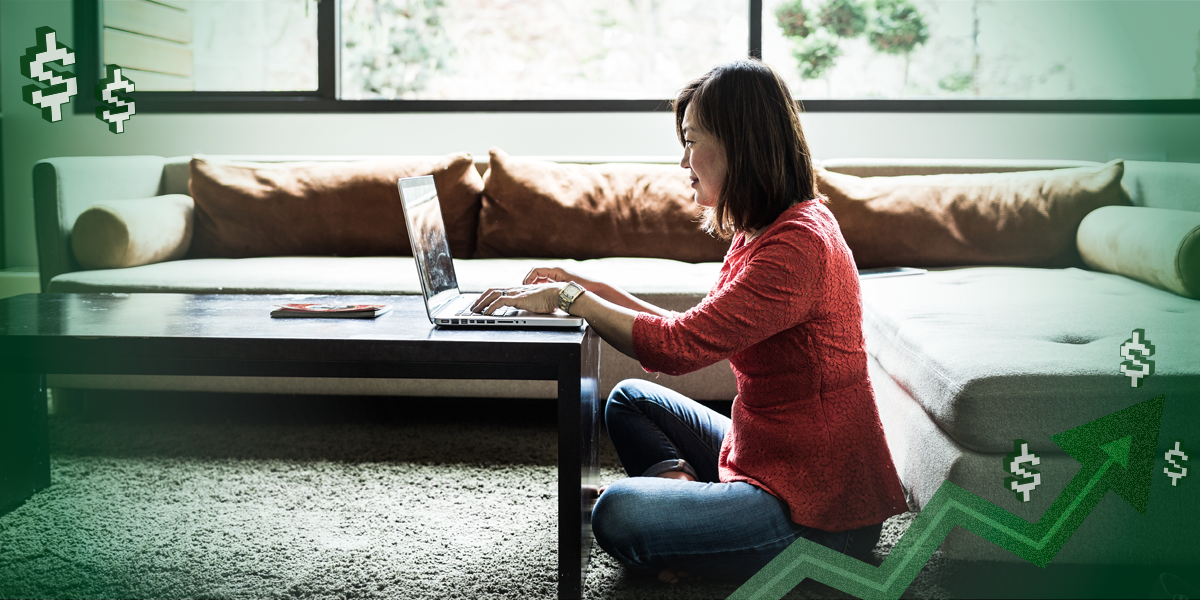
point(1170, 185)
point(65, 187)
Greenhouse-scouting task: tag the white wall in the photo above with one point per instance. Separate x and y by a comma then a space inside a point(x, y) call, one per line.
point(27, 138)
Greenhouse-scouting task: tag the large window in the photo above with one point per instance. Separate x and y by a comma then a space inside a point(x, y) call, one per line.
point(986, 49)
point(210, 46)
point(534, 49)
point(623, 55)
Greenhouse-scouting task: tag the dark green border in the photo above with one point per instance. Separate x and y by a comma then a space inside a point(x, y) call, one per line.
point(3, 232)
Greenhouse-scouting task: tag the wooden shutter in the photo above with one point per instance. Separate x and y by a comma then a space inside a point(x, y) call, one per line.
point(151, 41)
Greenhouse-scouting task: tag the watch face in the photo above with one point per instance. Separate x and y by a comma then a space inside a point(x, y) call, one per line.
point(568, 295)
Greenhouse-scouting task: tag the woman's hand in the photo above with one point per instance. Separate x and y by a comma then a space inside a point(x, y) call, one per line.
point(612, 321)
point(540, 298)
point(615, 295)
point(557, 275)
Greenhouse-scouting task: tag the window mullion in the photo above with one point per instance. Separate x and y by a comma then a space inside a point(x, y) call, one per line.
point(327, 48)
point(756, 25)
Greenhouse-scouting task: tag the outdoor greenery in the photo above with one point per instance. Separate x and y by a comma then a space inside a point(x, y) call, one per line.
point(891, 26)
point(897, 28)
point(845, 18)
point(393, 47)
point(637, 49)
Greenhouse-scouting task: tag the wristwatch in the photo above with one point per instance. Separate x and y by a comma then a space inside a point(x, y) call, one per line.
point(568, 295)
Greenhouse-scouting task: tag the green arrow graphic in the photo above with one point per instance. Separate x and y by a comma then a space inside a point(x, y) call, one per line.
point(1117, 452)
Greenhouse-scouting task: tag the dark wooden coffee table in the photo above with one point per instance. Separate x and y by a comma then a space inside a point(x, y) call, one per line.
point(232, 335)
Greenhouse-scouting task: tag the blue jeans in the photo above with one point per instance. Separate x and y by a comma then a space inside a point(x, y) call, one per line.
point(719, 530)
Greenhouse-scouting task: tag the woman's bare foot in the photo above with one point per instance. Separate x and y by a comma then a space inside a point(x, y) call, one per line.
point(669, 575)
point(681, 475)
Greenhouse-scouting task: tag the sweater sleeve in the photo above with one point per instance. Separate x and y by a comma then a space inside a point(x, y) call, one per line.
point(775, 290)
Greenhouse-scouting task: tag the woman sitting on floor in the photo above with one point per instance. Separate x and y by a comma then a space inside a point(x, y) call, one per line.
point(804, 454)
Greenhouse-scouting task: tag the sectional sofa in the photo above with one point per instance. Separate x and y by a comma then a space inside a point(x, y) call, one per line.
point(1014, 333)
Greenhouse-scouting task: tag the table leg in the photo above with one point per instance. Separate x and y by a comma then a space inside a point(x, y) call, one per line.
point(578, 463)
point(24, 439)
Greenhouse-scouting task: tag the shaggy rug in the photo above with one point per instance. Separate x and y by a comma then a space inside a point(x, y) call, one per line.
point(206, 496)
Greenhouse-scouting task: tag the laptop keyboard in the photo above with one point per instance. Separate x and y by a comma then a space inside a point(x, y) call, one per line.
point(504, 311)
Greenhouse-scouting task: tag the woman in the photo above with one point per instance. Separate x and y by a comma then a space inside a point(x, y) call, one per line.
point(804, 454)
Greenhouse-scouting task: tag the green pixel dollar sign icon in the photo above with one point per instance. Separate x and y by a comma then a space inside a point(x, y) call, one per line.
point(1026, 478)
point(1171, 455)
point(1137, 352)
point(61, 85)
point(118, 106)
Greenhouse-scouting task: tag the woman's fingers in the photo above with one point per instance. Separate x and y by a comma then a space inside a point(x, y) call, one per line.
point(533, 275)
point(517, 299)
point(544, 275)
point(487, 298)
point(541, 298)
point(491, 303)
point(496, 305)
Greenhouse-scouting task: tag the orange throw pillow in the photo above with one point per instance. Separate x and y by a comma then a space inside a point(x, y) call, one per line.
point(541, 209)
point(352, 208)
point(1026, 218)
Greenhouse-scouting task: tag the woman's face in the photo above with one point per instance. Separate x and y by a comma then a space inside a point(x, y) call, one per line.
point(704, 158)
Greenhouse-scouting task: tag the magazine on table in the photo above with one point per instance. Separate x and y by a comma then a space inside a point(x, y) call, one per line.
point(326, 310)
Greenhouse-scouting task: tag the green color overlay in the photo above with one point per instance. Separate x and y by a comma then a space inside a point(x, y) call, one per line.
point(1117, 452)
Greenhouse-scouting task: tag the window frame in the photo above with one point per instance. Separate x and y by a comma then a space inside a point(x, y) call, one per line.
point(88, 27)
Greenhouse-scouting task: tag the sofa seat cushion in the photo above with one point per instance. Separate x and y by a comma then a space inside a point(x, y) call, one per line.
point(1114, 533)
point(999, 353)
point(676, 285)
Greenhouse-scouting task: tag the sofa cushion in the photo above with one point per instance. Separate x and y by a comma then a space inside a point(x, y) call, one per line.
point(1023, 218)
point(895, 167)
point(685, 286)
point(324, 208)
point(544, 209)
point(998, 353)
point(1157, 246)
point(127, 233)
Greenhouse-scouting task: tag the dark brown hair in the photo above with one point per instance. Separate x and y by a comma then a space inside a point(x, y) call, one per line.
point(749, 109)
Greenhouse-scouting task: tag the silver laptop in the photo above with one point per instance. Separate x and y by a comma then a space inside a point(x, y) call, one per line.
point(444, 304)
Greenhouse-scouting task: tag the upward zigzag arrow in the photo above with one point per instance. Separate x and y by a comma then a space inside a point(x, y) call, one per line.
point(1117, 452)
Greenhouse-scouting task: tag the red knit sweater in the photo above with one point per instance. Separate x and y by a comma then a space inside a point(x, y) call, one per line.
point(787, 313)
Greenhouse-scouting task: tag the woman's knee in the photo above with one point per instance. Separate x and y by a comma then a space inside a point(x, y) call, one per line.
point(611, 516)
point(629, 392)
point(631, 389)
point(618, 522)
point(624, 395)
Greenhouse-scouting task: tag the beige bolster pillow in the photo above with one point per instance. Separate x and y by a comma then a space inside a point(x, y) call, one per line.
point(1157, 246)
point(126, 233)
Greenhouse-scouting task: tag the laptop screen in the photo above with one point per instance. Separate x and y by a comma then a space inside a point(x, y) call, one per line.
point(427, 233)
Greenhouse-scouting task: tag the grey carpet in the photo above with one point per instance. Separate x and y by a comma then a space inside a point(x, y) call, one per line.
point(228, 497)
